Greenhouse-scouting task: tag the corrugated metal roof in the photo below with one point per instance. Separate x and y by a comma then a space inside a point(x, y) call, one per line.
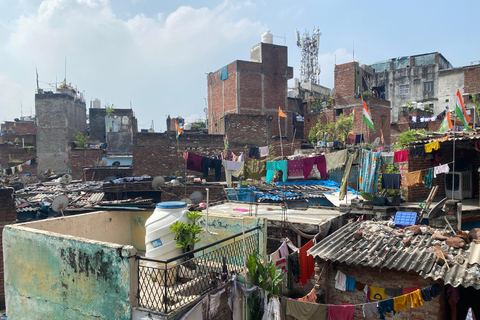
point(380, 248)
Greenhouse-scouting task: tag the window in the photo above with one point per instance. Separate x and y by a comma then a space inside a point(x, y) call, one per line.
point(404, 89)
point(428, 86)
point(338, 112)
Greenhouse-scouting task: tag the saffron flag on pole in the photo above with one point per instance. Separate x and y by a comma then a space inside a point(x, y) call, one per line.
point(366, 117)
point(281, 114)
point(446, 123)
point(179, 130)
point(461, 112)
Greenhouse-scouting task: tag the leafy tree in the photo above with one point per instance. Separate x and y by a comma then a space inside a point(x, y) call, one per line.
point(407, 138)
point(81, 140)
point(109, 109)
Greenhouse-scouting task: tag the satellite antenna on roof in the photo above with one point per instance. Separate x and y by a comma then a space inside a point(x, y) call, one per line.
point(103, 163)
point(59, 204)
point(196, 197)
point(158, 182)
point(66, 179)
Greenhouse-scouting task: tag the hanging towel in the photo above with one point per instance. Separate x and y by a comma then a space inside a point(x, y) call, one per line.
point(394, 292)
point(369, 168)
point(336, 160)
point(413, 178)
point(321, 165)
point(366, 291)
point(350, 283)
point(401, 303)
point(194, 162)
point(340, 312)
point(340, 281)
point(434, 145)
point(431, 292)
point(214, 164)
point(444, 168)
point(254, 153)
point(276, 165)
point(428, 179)
point(263, 151)
point(370, 310)
point(308, 166)
point(306, 263)
point(295, 168)
point(470, 314)
point(284, 250)
point(410, 289)
point(306, 311)
point(417, 151)
point(416, 298)
point(387, 158)
point(391, 181)
point(400, 156)
point(310, 297)
point(385, 306)
point(241, 157)
point(377, 294)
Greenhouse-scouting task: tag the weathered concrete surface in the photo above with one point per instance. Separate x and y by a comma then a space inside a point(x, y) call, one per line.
point(52, 276)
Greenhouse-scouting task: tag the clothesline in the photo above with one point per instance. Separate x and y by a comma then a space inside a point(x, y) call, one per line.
point(434, 166)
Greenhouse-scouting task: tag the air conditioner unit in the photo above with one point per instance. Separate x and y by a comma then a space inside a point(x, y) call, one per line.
point(460, 186)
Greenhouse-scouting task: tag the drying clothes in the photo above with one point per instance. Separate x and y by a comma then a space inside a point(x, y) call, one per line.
point(385, 306)
point(434, 145)
point(428, 179)
point(276, 165)
point(470, 314)
point(254, 169)
point(310, 297)
point(453, 296)
point(350, 283)
point(275, 255)
point(359, 138)
point(241, 157)
point(366, 291)
point(214, 164)
point(306, 263)
point(400, 156)
point(377, 294)
point(413, 178)
point(194, 162)
point(263, 151)
point(393, 292)
point(387, 158)
point(443, 139)
point(295, 169)
point(232, 165)
point(431, 292)
point(196, 312)
point(340, 281)
point(340, 312)
point(336, 160)
point(294, 271)
point(359, 286)
point(19, 168)
point(214, 303)
point(391, 181)
point(231, 170)
point(416, 298)
point(401, 303)
point(444, 168)
point(321, 166)
point(417, 151)
point(409, 289)
point(351, 139)
point(295, 309)
point(284, 250)
point(272, 311)
point(254, 153)
point(281, 264)
point(369, 165)
point(370, 310)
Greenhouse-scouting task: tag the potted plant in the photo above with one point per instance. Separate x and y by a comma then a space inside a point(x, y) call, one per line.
point(393, 197)
point(186, 234)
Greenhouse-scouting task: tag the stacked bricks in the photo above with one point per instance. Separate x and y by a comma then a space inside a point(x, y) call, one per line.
point(8, 215)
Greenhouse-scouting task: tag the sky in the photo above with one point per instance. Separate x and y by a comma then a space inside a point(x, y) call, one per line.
point(154, 55)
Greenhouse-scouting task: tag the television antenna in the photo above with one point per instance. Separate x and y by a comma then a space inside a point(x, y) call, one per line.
point(59, 204)
point(309, 68)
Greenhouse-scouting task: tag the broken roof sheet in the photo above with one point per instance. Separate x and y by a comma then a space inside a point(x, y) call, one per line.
point(380, 248)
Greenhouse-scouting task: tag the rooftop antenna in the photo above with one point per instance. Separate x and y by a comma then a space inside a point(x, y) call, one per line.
point(21, 109)
point(65, 70)
point(309, 69)
point(38, 87)
point(353, 51)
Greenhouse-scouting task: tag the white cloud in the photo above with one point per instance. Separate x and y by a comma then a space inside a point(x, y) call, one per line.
point(152, 61)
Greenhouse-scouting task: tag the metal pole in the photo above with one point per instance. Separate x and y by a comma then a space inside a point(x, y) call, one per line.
point(280, 133)
point(453, 172)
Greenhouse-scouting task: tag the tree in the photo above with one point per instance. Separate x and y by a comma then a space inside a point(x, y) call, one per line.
point(81, 140)
point(334, 131)
point(408, 138)
point(109, 109)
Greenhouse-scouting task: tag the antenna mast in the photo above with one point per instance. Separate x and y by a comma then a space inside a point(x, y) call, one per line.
point(310, 69)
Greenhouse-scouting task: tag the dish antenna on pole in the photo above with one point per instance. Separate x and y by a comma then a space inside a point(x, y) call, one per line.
point(59, 204)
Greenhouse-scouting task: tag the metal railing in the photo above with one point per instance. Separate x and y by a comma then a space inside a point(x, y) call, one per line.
point(165, 285)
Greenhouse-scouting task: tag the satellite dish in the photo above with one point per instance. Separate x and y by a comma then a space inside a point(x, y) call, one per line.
point(103, 163)
point(187, 200)
point(158, 182)
point(196, 197)
point(66, 179)
point(59, 204)
point(116, 163)
point(376, 142)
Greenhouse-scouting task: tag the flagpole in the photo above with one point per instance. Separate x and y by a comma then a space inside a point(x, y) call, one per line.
point(280, 132)
point(453, 173)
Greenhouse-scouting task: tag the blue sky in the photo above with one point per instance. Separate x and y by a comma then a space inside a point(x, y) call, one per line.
point(155, 54)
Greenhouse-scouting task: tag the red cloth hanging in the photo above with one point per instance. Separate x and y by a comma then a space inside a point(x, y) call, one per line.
point(306, 263)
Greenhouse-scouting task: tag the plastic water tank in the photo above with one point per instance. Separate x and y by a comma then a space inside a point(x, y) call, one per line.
point(267, 37)
point(159, 240)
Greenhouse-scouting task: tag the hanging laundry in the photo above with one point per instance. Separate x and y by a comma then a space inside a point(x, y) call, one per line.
point(214, 303)
point(470, 314)
point(387, 158)
point(370, 310)
point(233, 156)
point(379, 149)
point(416, 298)
point(276, 165)
point(294, 270)
point(295, 168)
point(214, 164)
point(393, 292)
point(305, 311)
point(340, 281)
point(359, 138)
point(310, 297)
point(417, 151)
point(401, 302)
point(443, 139)
point(336, 160)
point(391, 181)
point(254, 153)
point(194, 162)
point(306, 263)
point(410, 289)
point(241, 157)
point(434, 145)
point(351, 139)
point(377, 294)
point(369, 168)
point(263, 151)
point(413, 178)
point(400, 156)
point(19, 168)
point(195, 313)
point(453, 296)
point(340, 312)
point(414, 119)
point(281, 264)
point(359, 286)
point(444, 168)
point(284, 250)
point(428, 179)
point(350, 283)
point(232, 168)
point(385, 306)
point(431, 292)
point(272, 310)
point(367, 292)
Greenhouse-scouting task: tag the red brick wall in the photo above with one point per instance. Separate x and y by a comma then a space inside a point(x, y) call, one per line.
point(247, 129)
point(472, 80)
point(84, 158)
point(383, 278)
point(8, 215)
point(344, 81)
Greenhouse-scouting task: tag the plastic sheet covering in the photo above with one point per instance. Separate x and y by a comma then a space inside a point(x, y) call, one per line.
point(424, 60)
point(401, 62)
point(381, 66)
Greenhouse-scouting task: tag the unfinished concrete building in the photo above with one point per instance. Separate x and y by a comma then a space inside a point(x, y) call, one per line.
point(59, 117)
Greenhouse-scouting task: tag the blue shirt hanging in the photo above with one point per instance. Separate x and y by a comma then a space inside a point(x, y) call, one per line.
point(224, 75)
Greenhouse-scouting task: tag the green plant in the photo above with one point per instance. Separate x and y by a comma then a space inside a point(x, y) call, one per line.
point(408, 138)
point(186, 234)
point(109, 109)
point(366, 196)
point(110, 128)
point(271, 153)
point(199, 124)
point(391, 168)
point(367, 94)
point(81, 140)
point(427, 108)
point(268, 278)
point(409, 105)
point(17, 140)
point(476, 103)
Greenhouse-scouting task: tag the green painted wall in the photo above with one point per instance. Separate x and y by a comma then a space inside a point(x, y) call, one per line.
point(48, 276)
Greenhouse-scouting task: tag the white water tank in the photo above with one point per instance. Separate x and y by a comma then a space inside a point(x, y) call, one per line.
point(159, 240)
point(267, 37)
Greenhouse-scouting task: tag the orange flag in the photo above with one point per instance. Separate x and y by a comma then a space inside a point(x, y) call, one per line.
point(281, 114)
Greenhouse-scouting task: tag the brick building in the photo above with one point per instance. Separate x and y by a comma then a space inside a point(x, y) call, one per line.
point(8, 215)
point(258, 86)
